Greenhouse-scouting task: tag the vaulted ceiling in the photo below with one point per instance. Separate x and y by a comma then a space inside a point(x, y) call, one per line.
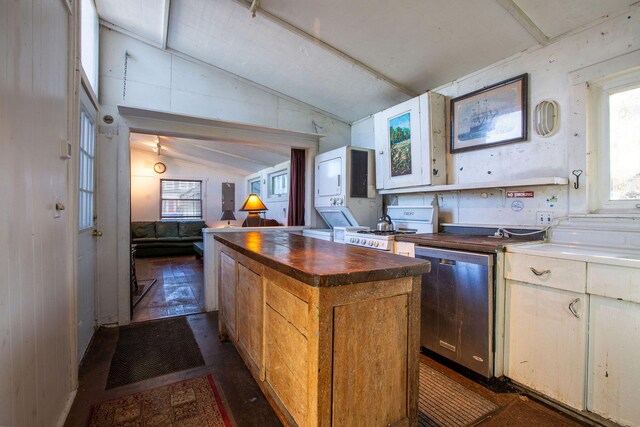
point(352, 58)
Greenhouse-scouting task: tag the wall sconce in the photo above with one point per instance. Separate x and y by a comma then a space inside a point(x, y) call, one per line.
point(254, 206)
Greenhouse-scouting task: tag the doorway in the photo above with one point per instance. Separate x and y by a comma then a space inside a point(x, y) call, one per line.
point(168, 199)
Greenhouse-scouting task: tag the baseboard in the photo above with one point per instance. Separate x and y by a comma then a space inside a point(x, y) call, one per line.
point(67, 409)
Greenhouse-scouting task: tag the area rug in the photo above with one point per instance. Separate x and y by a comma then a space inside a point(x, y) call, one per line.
point(190, 403)
point(444, 402)
point(150, 349)
point(143, 287)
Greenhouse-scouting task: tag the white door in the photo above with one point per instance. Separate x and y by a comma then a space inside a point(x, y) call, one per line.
point(86, 317)
point(546, 342)
point(329, 177)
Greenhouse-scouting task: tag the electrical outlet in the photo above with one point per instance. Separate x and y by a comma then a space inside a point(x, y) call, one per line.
point(544, 218)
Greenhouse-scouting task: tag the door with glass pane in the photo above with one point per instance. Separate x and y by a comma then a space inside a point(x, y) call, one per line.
point(86, 317)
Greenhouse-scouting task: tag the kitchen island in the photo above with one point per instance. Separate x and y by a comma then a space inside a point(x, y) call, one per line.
point(330, 332)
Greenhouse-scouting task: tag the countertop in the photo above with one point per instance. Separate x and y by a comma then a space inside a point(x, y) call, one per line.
point(466, 242)
point(596, 254)
point(320, 263)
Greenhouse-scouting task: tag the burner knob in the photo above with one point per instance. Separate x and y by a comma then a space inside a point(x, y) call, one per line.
point(370, 243)
point(375, 244)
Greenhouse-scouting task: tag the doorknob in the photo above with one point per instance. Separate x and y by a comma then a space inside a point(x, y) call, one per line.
point(97, 233)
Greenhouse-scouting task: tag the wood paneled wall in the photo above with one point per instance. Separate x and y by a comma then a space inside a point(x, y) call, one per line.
point(35, 248)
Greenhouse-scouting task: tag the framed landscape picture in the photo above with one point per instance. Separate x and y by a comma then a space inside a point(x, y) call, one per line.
point(490, 116)
point(400, 144)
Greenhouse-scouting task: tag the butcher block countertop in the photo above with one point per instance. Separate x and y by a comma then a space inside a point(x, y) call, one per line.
point(320, 263)
point(466, 242)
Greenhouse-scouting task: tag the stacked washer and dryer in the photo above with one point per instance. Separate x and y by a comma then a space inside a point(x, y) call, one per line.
point(345, 192)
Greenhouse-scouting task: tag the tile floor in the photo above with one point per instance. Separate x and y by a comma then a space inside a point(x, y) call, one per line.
point(242, 396)
point(178, 291)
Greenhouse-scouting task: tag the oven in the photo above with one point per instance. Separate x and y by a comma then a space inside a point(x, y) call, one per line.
point(405, 220)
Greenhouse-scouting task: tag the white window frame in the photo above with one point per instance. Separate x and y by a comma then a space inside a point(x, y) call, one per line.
point(184, 218)
point(599, 92)
point(250, 181)
point(270, 194)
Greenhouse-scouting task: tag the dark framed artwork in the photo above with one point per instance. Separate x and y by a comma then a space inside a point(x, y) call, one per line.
point(490, 116)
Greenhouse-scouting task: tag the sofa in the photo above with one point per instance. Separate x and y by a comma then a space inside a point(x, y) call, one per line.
point(165, 238)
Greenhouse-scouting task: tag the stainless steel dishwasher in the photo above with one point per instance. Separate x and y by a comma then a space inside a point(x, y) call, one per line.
point(457, 307)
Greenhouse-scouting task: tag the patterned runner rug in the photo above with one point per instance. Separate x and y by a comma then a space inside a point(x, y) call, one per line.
point(190, 403)
point(446, 403)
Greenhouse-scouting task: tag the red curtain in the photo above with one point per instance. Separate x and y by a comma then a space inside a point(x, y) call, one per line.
point(296, 192)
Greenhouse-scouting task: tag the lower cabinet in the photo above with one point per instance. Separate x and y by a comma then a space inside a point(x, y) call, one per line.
point(546, 341)
point(228, 290)
point(250, 315)
point(614, 343)
point(287, 349)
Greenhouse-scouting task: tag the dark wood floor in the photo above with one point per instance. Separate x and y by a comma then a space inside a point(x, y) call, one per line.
point(242, 396)
point(240, 393)
point(179, 289)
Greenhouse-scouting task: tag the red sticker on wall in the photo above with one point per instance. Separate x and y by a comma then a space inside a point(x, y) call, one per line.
point(520, 194)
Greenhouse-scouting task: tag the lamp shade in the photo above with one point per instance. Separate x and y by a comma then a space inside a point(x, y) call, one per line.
point(253, 204)
point(227, 215)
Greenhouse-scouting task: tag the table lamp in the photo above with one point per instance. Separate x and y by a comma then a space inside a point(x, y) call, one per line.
point(254, 206)
point(227, 215)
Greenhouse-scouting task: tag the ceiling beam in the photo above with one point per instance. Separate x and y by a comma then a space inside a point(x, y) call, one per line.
point(178, 125)
point(165, 27)
point(221, 152)
point(524, 20)
point(313, 39)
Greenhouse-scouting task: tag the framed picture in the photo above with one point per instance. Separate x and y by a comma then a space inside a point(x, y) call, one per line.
point(491, 116)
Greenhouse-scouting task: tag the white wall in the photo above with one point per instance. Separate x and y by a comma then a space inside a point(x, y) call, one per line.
point(145, 186)
point(36, 333)
point(548, 68)
point(159, 80)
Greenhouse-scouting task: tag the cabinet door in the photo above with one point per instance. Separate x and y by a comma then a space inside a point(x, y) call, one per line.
point(399, 151)
point(250, 315)
point(613, 373)
point(546, 342)
point(228, 292)
point(329, 179)
point(286, 349)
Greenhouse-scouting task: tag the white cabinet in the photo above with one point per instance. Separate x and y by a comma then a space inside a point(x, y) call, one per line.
point(546, 342)
point(329, 176)
point(410, 143)
point(546, 326)
point(613, 373)
point(614, 366)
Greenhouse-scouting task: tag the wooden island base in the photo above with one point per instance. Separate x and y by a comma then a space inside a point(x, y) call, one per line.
point(339, 354)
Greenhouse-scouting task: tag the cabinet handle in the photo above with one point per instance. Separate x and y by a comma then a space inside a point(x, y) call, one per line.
point(338, 180)
point(572, 308)
point(539, 273)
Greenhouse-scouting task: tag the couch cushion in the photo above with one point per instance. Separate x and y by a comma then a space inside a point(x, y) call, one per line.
point(144, 240)
point(167, 229)
point(191, 228)
point(191, 239)
point(168, 239)
point(143, 229)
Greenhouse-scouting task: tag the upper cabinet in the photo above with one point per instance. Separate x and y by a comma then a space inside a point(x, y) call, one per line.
point(410, 143)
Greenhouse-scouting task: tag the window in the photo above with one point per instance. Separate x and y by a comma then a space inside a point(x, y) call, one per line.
point(86, 185)
point(254, 186)
point(278, 183)
point(616, 119)
point(180, 199)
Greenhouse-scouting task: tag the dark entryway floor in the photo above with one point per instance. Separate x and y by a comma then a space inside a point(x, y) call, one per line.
point(179, 288)
point(242, 396)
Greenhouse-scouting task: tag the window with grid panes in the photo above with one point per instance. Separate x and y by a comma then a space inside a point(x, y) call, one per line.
point(180, 199)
